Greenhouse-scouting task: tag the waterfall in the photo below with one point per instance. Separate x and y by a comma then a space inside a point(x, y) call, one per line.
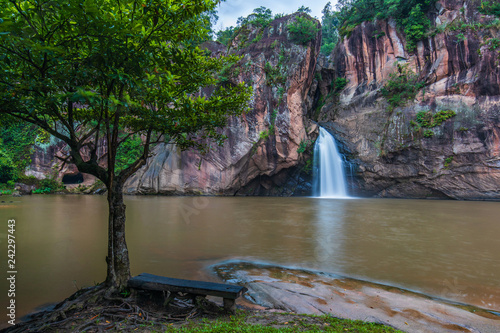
point(329, 174)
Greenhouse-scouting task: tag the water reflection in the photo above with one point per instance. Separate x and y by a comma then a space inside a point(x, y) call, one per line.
point(447, 249)
point(329, 241)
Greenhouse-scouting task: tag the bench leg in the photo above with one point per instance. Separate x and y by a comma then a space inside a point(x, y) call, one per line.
point(229, 305)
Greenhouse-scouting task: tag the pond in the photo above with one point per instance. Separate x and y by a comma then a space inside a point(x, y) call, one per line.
point(445, 249)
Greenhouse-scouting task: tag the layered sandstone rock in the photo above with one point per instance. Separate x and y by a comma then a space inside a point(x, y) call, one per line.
point(461, 71)
point(388, 155)
point(260, 154)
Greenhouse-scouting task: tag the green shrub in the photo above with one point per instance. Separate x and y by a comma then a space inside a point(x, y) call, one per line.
point(448, 161)
point(7, 168)
point(493, 44)
point(28, 180)
point(442, 116)
point(377, 34)
point(44, 190)
point(428, 133)
point(48, 185)
point(303, 30)
point(225, 74)
point(302, 146)
point(264, 135)
point(225, 36)
point(308, 166)
point(424, 119)
point(327, 49)
point(415, 27)
point(274, 74)
point(340, 83)
point(258, 37)
point(280, 92)
point(490, 8)
point(402, 86)
point(428, 120)
point(409, 15)
point(17, 141)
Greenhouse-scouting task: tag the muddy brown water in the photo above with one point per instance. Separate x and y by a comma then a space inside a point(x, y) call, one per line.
point(445, 249)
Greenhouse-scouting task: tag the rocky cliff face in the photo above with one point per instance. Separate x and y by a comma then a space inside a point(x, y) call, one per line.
point(395, 155)
point(46, 164)
point(261, 154)
point(392, 153)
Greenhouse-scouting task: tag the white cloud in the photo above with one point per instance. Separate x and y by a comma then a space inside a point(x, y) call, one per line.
point(230, 10)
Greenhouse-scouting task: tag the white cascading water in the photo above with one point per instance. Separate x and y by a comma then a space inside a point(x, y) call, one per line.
point(328, 166)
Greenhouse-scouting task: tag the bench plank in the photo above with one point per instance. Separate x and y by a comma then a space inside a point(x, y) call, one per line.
point(154, 282)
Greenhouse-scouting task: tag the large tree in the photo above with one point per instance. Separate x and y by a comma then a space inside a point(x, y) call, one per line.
point(100, 73)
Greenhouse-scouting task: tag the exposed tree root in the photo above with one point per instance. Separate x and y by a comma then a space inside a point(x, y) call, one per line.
point(94, 309)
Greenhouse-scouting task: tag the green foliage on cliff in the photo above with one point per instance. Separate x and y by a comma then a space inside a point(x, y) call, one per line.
point(415, 27)
point(6, 167)
point(17, 140)
point(225, 36)
point(303, 30)
point(402, 86)
point(493, 43)
point(260, 17)
point(275, 75)
point(428, 133)
point(340, 83)
point(305, 145)
point(428, 120)
point(264, 135)
point(490, 8)
point(410, 16)
point(448, 161)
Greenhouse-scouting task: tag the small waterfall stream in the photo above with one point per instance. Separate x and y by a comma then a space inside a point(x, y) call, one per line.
point(329, 178)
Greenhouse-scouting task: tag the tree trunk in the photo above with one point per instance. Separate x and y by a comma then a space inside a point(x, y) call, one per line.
point(117, 259)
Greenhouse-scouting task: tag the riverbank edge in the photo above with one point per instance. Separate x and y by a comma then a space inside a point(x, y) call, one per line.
point(212, 319)
point(100, 190)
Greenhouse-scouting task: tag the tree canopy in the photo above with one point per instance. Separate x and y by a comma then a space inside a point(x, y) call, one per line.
point(409, 15)
point(329, 29)
point(100, 73)
point(260, 16)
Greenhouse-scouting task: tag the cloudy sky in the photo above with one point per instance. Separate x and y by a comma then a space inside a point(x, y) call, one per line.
point(230, 10)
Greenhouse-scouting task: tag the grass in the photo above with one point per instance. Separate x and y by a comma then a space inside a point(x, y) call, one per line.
point(277, 322)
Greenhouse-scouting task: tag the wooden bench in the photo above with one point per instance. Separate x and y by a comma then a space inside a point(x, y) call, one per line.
point(228, 292)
